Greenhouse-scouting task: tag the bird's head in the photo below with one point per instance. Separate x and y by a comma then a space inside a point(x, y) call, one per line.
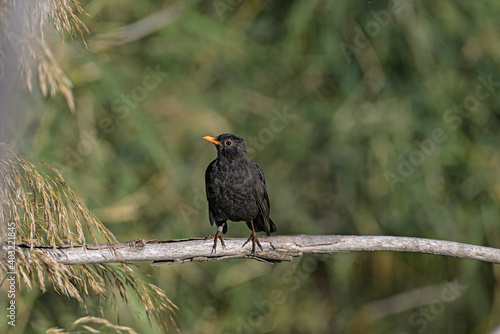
point(228, 145)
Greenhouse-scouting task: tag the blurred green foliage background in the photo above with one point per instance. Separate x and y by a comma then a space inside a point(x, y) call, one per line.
point(367, 118)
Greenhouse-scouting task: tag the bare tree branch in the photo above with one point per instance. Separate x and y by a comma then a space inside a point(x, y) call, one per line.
point(276, 249)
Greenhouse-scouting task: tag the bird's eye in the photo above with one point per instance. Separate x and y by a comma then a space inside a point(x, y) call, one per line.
point(228, 142)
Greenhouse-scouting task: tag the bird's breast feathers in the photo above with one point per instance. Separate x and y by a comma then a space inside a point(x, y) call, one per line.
point(230, 189)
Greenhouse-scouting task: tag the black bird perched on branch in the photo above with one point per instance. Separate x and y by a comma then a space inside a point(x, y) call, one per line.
point(236, 190)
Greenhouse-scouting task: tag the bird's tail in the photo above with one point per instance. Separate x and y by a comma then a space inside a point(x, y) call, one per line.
point(260, 223)
point(273, 227)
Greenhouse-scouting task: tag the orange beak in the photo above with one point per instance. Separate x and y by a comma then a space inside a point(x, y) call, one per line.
point(212, 140)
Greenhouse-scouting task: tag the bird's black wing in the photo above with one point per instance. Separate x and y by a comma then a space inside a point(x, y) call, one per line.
point(210, 216)
point(210, 190)
point(263, 221)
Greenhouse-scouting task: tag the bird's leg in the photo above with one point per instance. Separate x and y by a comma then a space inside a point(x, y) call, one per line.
point(254, 239)
point(218, 235)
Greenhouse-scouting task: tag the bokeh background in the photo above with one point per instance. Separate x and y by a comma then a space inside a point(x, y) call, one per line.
point(367, 118)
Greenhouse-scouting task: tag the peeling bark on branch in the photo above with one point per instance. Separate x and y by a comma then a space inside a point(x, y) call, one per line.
point(276, 249)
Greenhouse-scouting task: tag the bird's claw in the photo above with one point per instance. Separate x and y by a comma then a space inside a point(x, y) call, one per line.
point(217, 236)
point(254, 241)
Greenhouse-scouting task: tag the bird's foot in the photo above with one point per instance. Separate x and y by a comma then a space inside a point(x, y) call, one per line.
point(217, 236)
point(254, 239)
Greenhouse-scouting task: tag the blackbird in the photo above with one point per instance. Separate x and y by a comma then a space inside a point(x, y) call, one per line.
point(236, 190)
